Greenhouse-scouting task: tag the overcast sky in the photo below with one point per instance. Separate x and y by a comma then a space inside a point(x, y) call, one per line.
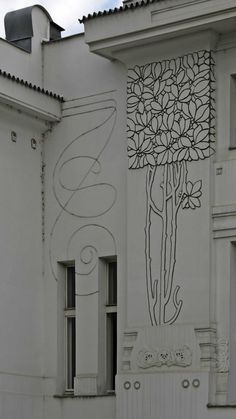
point(63, 12)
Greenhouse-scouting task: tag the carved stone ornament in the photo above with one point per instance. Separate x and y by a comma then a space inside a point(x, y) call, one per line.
point(223, 355)
point(181, 357)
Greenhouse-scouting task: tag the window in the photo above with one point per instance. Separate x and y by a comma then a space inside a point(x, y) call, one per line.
point(83, 369)
point(111, 325)
point(70, 327)
point(232, 112)
point(232, 370)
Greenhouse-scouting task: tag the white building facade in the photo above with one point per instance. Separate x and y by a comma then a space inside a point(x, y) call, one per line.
point(118, 215)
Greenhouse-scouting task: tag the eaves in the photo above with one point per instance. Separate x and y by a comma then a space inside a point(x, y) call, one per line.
point(115, 36)
point(30, 99)
point(30, 85)
point(120, 9)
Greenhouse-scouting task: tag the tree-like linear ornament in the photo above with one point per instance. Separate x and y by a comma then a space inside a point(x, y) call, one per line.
point(171, 123)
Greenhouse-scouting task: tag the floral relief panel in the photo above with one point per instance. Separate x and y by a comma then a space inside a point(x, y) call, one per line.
point(171, 123)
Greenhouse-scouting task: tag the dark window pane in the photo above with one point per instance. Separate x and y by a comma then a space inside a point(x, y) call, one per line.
point(111, 350)
point(70, 297)
point(112, 283)
point(70, 352)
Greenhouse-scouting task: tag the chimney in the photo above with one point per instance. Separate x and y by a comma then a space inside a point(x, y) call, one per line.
point(19, 27)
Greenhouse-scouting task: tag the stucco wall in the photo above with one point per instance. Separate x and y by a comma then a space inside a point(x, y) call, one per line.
point(173, 358)
point(21, 295)
point(85, 202)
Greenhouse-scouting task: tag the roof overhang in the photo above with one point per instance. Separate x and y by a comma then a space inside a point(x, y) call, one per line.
point(29, 101)
point(111, 35)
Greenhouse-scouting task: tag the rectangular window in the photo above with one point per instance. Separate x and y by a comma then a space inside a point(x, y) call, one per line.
point(70, 325)
point(111, 325)
point(232, 112)
point(232, 349)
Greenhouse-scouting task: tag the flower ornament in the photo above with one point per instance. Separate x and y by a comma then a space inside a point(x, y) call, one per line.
point(192, 195)
point(164, 149)
point(140, 151)
point(185, 151)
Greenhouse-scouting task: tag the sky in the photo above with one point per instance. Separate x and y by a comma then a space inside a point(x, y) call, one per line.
point(63, 12)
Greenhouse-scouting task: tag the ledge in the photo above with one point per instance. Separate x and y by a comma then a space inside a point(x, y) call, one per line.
point(224, 211)
point(30, 101)
point(222, 406)
point(111, 34)
point(89, 396)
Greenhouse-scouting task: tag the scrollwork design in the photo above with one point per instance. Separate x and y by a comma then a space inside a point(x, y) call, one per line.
point(88, 254)
point(66, 194)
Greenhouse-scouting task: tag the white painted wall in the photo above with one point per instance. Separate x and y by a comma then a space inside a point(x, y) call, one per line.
point(69, 59)
point(93, 125)
point(94, 203)
point(21, 285)
point(29, 65)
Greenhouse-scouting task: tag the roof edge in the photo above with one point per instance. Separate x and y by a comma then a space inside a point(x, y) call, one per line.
point(125, 7)
point(30, 85)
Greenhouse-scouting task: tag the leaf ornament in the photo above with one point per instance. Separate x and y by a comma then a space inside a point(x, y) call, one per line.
point(171, 101)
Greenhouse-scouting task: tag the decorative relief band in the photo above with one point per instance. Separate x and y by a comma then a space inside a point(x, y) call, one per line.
point(223, 355)
point(170, 357)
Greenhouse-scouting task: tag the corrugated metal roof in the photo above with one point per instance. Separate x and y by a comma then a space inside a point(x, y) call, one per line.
point(30, 85)
point(120, 9)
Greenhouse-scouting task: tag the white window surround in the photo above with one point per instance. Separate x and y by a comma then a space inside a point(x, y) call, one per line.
point(101, 382)
point(232, 346)
point(70, 326)
point(108, 327)
point(111, 325)
point(224, 267)
point(64, 315)
point(232, 112)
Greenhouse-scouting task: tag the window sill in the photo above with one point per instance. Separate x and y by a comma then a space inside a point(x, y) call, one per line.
point(84, 396)
point(221, 406)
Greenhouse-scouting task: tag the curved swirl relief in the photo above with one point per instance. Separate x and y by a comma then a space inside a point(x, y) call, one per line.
point(171, 123)
point(80, 195)
point(79, 247)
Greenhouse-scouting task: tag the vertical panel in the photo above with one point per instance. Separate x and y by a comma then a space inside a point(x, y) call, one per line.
point(163, 396)
point(232, 372)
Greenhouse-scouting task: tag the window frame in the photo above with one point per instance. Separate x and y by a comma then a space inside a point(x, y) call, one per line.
point(69, 313)
point(232, 141)
point(105, 310)
point(111, 310)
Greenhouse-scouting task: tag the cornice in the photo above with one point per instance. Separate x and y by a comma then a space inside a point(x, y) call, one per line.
point(30, 85)
point(114, 33)
point(29, 100)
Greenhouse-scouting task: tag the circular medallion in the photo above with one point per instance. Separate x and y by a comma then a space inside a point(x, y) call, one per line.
point(127, 385)
point(185, 383)
point(137, 385)
point(196, 383)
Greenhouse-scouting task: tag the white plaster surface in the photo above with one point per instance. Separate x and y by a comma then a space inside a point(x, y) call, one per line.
point(95, 208)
